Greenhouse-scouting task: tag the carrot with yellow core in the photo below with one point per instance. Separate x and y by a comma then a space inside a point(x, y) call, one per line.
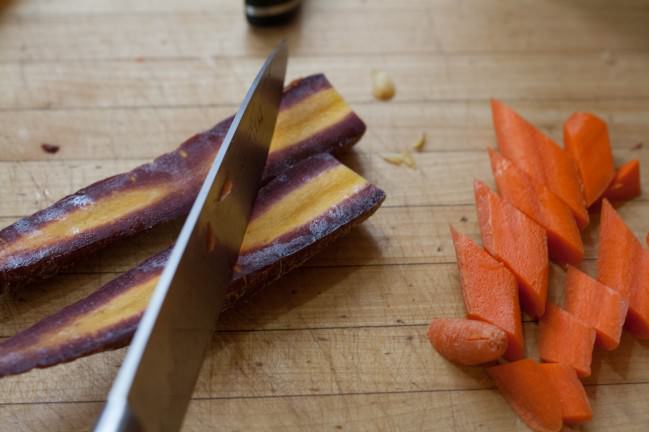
point(313, 118)
point(586, 139)
point(490, 292)
point(626, 183)
point(467, 342)
point(520, 243)
point(295, 216)
point(575, 407)
point(527, 389)
point(565, 339)
point(540, 205)
point(597, 305)
point(540, 157)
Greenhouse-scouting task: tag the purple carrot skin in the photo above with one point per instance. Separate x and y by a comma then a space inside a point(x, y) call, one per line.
point(282, 234)
point(313, 119)
point(467, 342)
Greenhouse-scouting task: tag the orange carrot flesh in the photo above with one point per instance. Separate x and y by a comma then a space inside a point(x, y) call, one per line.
point(529, 392)
point(565, 339)
point(617, 252)
point(626, 184)
point(597, 305)
point(490, 292)
point(540, 205)
point(586, 139)
point(540, 157)
point(519, 242)
point(637, 320)
point(467, 342)
point(575, 407)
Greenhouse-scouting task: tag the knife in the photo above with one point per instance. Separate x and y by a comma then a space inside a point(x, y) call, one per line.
point(156, 380)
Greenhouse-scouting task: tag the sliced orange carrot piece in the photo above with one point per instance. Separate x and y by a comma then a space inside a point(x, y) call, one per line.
point(467, 342)
point(617, 252)
point(626, 184)
point(586, 139)
point(575, 407)
point(527, 389)
point(519, 242)
point(637, 320)
point(490, 292)
point(565, 339)
point(597, 305)
point(540, 157)
point(542, 206)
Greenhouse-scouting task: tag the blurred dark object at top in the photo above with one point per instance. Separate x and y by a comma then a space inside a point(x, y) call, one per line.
point(271, 12)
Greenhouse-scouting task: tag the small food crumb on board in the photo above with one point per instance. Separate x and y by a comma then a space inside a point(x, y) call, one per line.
point(403, 158)
point(420, 143)
point(382, 86)
point(50, 148)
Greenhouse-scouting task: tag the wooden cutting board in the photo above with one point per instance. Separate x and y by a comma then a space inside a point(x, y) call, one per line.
point(339, 344)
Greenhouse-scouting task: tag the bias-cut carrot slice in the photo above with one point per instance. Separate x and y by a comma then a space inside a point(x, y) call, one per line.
point(542, 206)
point(519, 242)
point(295, 215)
point(626, 184)
point(527, 389)
point(490, 292)
point(622, 264)
point(586, 139)
point(575, 407)
point(617, 252)
point(597, 305)
point(637, 320)
point(540, 157)
point(467, 342)
point(313, 118)
point(565, 339)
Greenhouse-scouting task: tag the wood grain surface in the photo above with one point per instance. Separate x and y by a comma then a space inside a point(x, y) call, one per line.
point(339, 344)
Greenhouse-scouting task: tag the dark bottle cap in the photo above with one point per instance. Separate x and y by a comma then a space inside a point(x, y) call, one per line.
point(271, 12)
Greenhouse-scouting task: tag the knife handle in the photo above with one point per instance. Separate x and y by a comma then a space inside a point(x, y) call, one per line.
point(271, 12)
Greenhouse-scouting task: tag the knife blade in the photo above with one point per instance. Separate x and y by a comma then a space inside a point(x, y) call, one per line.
point(156, 380)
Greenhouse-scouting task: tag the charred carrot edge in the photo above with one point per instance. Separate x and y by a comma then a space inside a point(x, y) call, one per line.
point(313, 119)
point(282, 234)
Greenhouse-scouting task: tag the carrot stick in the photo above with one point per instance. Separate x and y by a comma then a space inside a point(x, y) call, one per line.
point(467, 342)
point(518, 242)
point(617, 252)
point(490, 292)
point(637, 320)
point(586, 139)
point(529, 392)
point(566, 339)
point(540, 205)
point(540, 157)
point(626, 184)
point(575, 407)
point(597, 305)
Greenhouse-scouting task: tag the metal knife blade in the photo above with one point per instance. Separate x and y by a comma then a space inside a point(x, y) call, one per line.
point(156, 380)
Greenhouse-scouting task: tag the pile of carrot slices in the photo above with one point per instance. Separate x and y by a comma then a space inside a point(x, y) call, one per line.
point(545, 196)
